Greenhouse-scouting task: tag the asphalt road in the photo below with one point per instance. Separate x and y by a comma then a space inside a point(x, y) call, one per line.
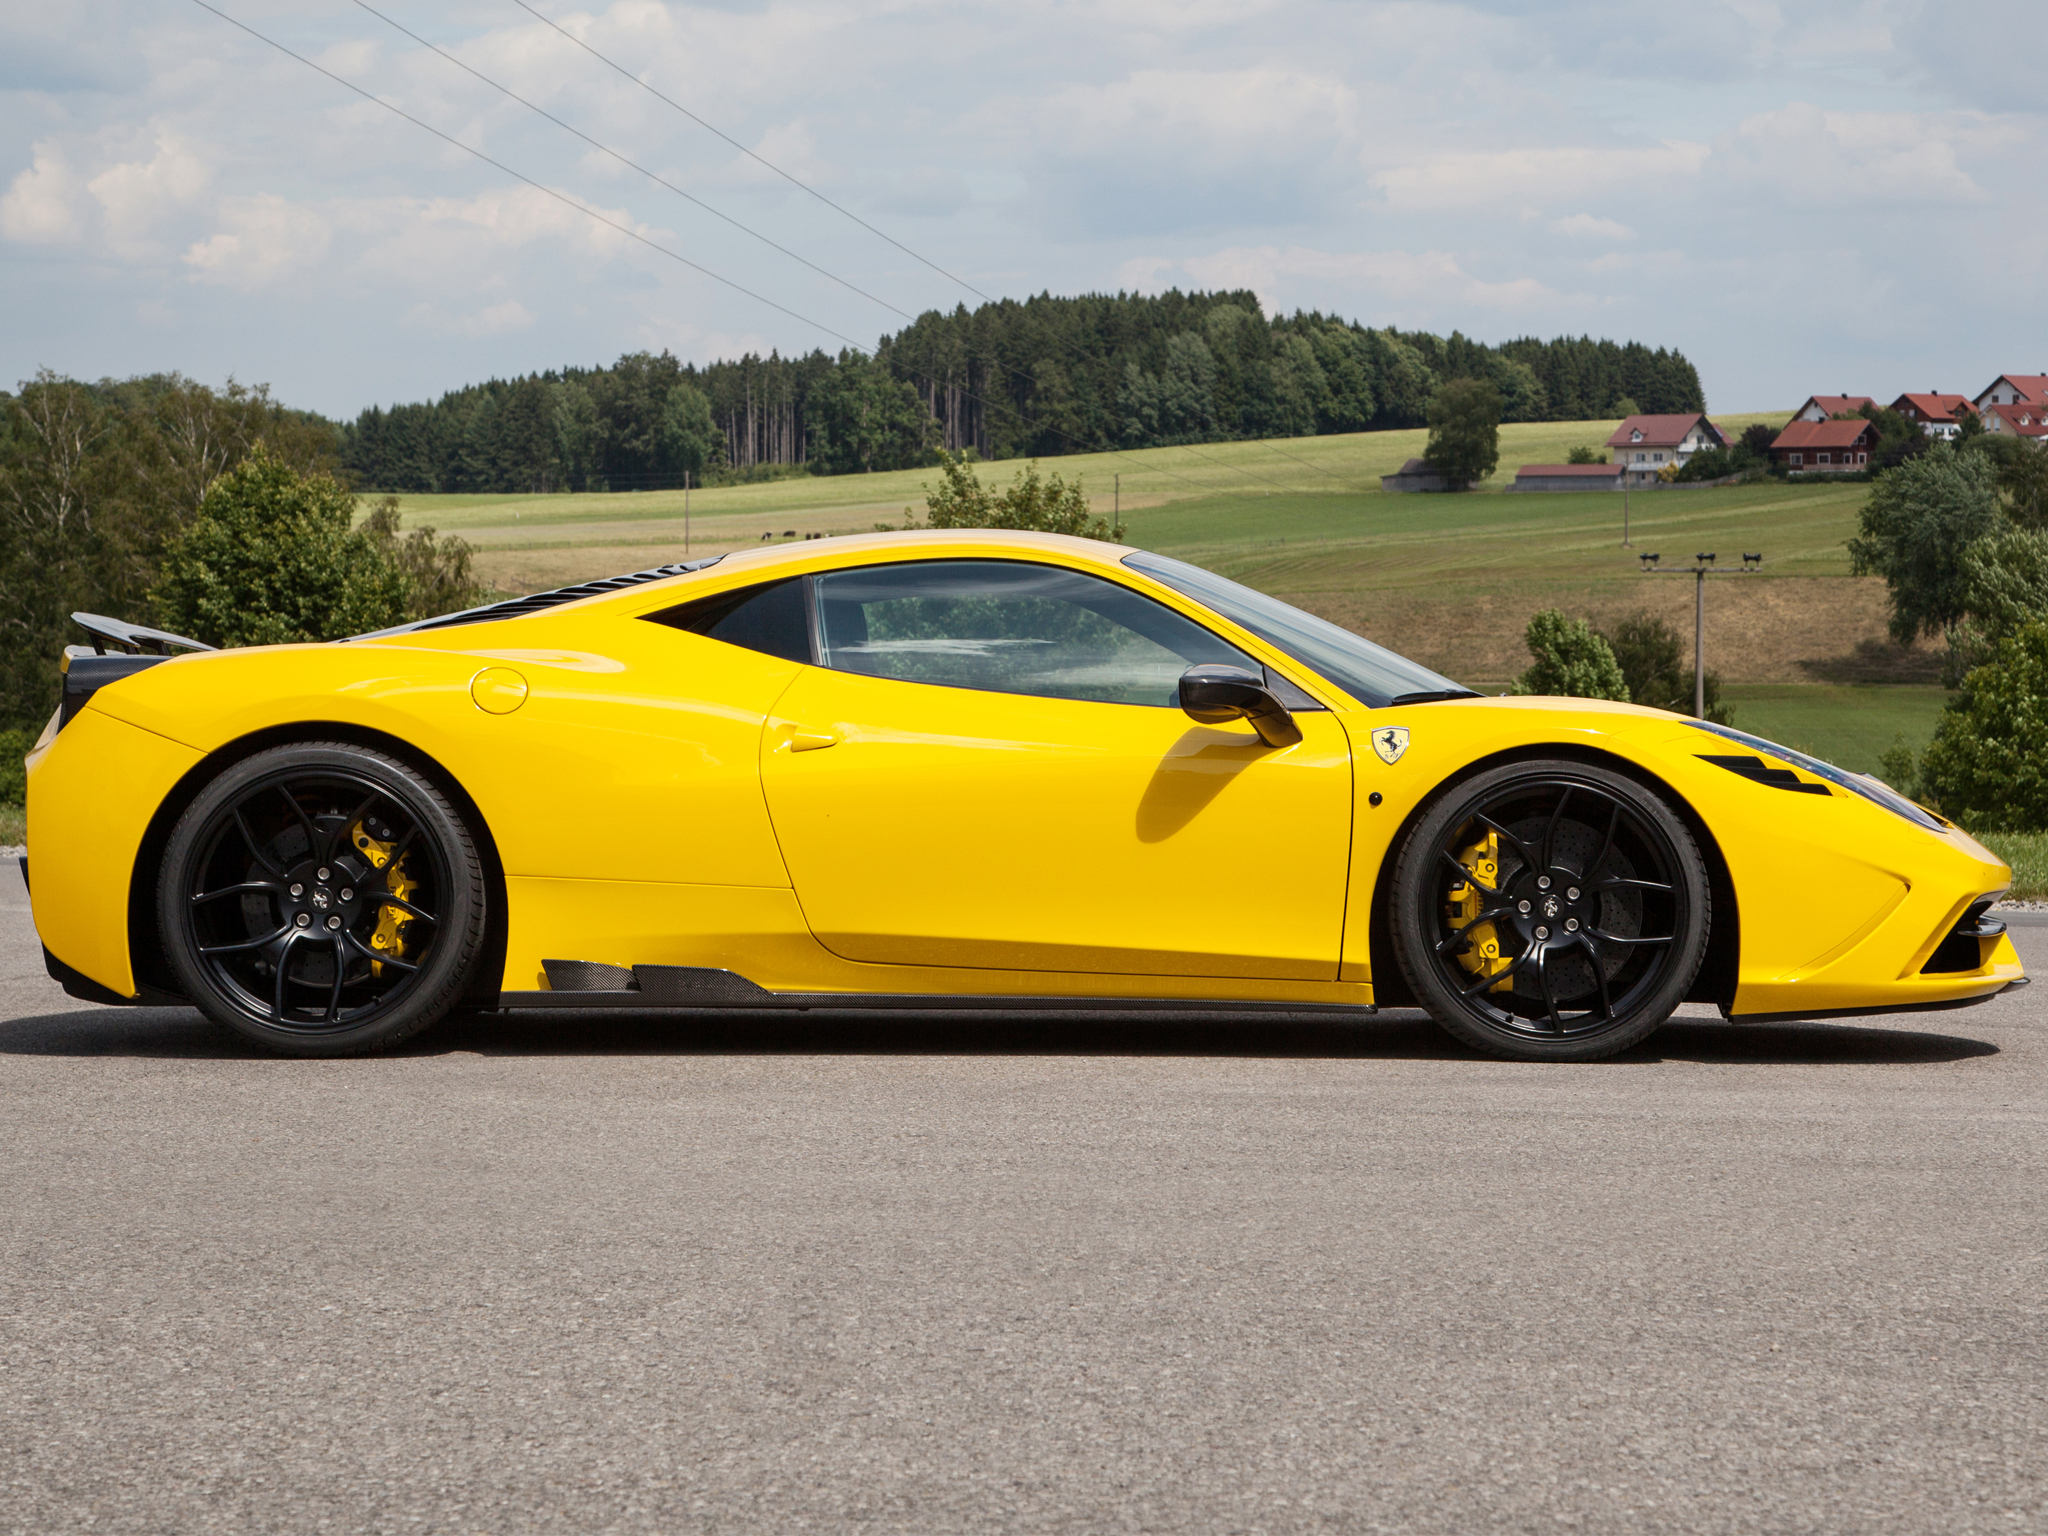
point(958, 1274)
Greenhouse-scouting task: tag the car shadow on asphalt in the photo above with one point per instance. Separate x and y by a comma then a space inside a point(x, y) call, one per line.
point(1397, 1034)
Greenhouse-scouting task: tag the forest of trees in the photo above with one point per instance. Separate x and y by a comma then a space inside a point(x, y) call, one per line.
point(1038, 378)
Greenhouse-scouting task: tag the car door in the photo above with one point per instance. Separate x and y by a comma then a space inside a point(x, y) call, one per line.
point(989, 768)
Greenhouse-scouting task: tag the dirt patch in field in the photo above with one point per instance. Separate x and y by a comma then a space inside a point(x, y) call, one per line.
point(1760, 629)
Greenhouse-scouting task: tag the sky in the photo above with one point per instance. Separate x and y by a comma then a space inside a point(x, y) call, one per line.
point(1801, 198)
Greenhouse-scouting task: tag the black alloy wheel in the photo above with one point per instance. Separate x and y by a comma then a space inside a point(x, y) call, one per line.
point(323, 899)
point(1552, 911)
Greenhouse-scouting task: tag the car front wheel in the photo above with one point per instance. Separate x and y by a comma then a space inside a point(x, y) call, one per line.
point(323, 899)
point(1553, 911)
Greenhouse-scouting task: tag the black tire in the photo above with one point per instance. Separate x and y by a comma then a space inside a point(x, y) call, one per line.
point(323, 899)
point(1578, 891)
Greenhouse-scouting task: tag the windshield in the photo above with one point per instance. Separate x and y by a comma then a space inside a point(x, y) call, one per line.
point(1371, 674)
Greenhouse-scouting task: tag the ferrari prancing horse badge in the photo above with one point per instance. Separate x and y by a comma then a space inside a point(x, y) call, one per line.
point(1390, 742)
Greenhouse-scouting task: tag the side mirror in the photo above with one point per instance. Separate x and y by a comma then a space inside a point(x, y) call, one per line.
point(1213, 693)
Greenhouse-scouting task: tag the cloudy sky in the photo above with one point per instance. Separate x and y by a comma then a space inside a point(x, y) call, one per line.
point(1800, 197)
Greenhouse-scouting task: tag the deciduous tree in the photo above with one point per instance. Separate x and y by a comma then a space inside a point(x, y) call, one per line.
point(1915, 527)
point(1464, 430)
point(271, 559)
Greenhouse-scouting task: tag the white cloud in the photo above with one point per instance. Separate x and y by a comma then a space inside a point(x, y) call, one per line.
point(493, 320)
point(1219, 111)
point(1586, 226)
point(138, 198)
point(452, 239)
point(42, 207)
point(1538, 177)
point(1283, 278)
point(263, 238)
point(1810, 155)
point(1643, 169)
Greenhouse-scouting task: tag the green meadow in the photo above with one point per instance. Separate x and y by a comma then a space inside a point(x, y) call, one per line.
point(1450, 580)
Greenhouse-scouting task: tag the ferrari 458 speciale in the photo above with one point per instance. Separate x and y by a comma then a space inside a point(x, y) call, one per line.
point(954, 770)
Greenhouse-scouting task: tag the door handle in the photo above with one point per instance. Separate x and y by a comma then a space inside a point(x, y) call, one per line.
point(805, 740)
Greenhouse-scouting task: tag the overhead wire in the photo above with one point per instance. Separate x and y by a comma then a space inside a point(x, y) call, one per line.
point(863, 223)
point(652, 176)
point(560, 197)
point(579, 206)
point(751, 155)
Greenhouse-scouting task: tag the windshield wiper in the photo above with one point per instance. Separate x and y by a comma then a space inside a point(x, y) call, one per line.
point(1436, 696)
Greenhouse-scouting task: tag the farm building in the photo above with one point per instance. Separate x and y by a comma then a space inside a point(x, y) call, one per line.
point(1825, 447)
point(1643, 445)
point(2029, 423)
point(1936, 415)
point(1418, 475)
point(1568, 477)
point(2014, 389)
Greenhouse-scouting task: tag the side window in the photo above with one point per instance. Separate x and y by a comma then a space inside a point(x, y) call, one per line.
point(1011, 627)
point(766, 618)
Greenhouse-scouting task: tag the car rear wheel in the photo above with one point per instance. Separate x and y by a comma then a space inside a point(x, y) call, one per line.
point(323, 899)
point(1552, 911)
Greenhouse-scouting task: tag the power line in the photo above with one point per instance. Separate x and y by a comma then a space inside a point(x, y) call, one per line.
point(560, 197)
point(631, 164)
point(676, 256)
point(793, 181)
point(736, 144)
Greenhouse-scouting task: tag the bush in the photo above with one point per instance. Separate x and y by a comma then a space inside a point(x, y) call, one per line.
point(1708, 464)
point(1583, 454)
point(437, 574)
point(1985, 767)
point(14, 744)
point(270, 560)
point(1651, 655)
point(1572, 661)
point(1031, 503)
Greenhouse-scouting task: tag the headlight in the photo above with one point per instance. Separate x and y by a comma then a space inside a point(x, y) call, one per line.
point(1873, 790)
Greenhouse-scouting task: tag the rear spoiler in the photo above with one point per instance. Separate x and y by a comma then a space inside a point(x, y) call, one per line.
point(87, 670)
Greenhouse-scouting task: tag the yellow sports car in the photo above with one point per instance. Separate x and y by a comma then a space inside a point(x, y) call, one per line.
point(952, 769)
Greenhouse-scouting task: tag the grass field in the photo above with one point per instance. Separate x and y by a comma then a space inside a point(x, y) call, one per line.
point(2027, 853)
point(1849, 725)
point(1451, 580)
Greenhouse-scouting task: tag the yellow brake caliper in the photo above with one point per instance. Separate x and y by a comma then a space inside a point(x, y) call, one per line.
point(391, 921)
point(1466, 901)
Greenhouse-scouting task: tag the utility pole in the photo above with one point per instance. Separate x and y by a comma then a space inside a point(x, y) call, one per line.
point(1703, 566)
point(1118, 526)
point(1624, 514)
point(686, 512)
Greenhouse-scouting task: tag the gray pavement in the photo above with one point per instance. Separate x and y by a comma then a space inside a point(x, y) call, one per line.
point(959, 1274)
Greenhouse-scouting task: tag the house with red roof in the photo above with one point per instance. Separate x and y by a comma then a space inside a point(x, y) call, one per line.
point(1644, 445)
point(1825, 447)
point(1828, 407)
point(2028, 422)
point(2014, 389)
point(1936, 415)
